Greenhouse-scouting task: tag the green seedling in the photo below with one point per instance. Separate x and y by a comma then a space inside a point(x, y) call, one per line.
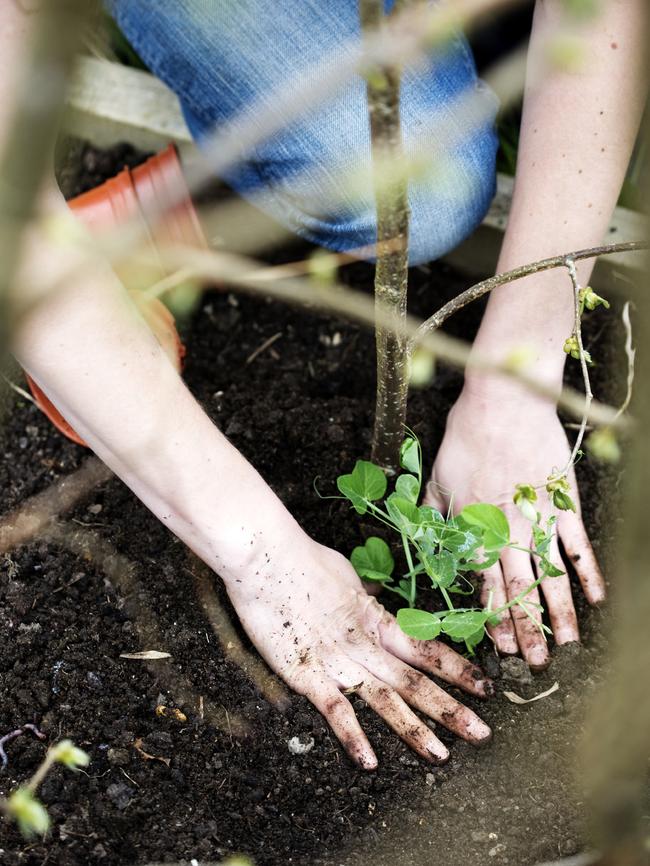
point(24, 807)
point(444, 549)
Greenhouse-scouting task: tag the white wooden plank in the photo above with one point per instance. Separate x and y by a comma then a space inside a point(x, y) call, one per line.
point(108, 102)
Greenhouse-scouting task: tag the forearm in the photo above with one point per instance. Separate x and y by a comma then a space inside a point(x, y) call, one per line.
point(577, 134)
point(95, 357)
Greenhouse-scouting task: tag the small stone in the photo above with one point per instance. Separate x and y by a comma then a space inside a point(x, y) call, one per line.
point(94, 681)
point(118, 757)
point(120, 794)
point(516, 670)
point(300, 745)
point(95, 509)
point(430, 779)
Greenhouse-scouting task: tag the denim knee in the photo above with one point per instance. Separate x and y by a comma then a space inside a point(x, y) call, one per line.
point(443, 211)
point(314, 176)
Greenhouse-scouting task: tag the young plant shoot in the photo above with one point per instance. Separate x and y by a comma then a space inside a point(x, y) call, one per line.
point(444, 549)
point(24, 807)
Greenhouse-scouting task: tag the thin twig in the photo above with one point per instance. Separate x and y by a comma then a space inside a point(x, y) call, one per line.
point(479, 289)
point(577, 333)
point(236, 271)
point(265, 345)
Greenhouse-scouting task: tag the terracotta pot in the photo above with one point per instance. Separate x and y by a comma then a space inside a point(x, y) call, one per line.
point(134, 195)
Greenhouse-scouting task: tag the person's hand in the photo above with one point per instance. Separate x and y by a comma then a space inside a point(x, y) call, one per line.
point(309, 616)
point(489, 447)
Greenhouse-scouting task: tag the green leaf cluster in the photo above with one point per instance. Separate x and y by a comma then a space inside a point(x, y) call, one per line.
point(444, 549)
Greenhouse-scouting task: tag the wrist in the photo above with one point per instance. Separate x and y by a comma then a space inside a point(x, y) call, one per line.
point(486, 394)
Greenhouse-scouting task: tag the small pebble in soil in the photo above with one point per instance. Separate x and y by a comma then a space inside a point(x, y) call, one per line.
point(516, 670)
point(94, 681)
point(120, 794)
point(300, 745)
point(118, 757)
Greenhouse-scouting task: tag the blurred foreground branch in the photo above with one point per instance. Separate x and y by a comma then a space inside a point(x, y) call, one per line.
point(29, 146)
point(617, 748)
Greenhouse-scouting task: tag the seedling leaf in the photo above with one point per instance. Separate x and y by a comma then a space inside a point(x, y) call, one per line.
point(464, 625)
point(409, 455)
point(419, 624)
point(29, 813)
point(366, 483)
point(491, 520)
point(548, 569)
point(408, 487)
point(373, 561)
point(403, 513)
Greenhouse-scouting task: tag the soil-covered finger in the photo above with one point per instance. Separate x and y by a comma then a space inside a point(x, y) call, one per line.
point(436, 658)
point(423, 694)
point(526, 615)
point(341, 718)
point(575, 541)
point(400, 718)
point(559, 601)
point(493, 592)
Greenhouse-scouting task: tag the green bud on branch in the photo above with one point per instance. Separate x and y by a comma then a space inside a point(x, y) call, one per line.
point(525, 496)
point(558, 489)
point(572, 347)
point(590, 300)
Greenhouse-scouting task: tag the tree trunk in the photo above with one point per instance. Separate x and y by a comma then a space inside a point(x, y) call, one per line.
point(391, 276)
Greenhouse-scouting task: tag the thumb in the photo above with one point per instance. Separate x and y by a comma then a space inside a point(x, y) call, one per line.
point(434, 496)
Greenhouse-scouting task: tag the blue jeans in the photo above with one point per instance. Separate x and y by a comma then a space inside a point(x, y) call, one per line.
point(222, 56)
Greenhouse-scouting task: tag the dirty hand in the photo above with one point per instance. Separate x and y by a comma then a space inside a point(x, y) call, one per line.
point(489, 447)
point(309, 616)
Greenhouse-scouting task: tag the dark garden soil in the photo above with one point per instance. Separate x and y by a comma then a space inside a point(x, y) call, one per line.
point(300, 409)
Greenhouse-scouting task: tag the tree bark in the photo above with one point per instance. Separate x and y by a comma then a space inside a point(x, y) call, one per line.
point(391, 275)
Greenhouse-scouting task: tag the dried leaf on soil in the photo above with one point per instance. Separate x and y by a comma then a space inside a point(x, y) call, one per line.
point(146, 654)
point(516, 699)
point(137, 745)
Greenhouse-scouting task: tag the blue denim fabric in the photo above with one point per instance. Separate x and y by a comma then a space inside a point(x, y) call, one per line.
point(222, 57)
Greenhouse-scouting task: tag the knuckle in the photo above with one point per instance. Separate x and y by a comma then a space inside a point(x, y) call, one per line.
point(412, 680)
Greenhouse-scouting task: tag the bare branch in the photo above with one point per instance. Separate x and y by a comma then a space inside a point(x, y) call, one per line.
point(238, 271)
point(479, 289)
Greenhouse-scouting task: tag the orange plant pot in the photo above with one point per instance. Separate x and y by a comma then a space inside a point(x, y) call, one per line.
point(138, 194)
